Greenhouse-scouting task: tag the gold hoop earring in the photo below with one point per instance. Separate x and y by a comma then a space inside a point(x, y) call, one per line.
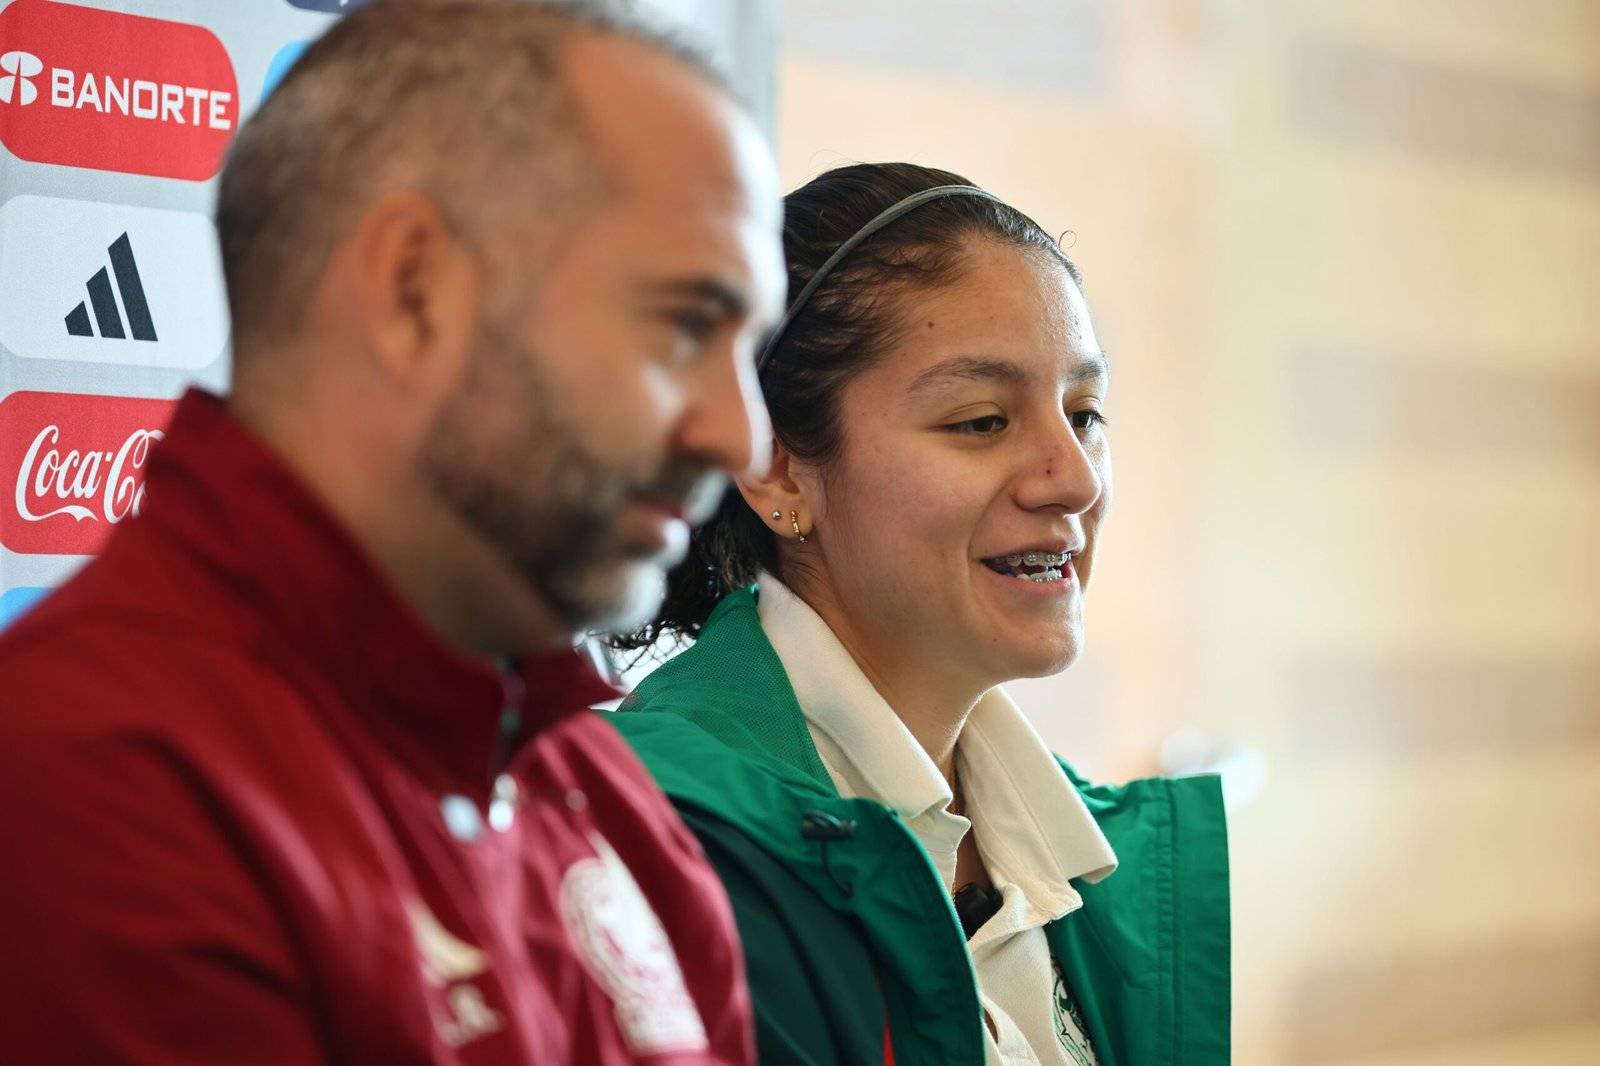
point(794, 520)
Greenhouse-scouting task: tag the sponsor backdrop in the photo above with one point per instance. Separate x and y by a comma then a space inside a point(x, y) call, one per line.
point(115, 116)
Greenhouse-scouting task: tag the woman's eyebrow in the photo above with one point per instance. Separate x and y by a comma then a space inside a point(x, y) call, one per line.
point(1003, 371)
point(1091, 368)
point(969, 368)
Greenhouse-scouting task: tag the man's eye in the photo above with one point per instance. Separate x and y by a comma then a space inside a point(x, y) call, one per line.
point(693, 325)
point(986, 426)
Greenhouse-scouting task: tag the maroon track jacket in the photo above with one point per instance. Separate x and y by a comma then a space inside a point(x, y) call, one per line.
point(252, 810)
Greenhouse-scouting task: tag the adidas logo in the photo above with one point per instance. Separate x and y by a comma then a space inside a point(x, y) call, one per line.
point(165, 310)
point(15, 70)
point(445, 958)
point(104, 302)
point(448, 962)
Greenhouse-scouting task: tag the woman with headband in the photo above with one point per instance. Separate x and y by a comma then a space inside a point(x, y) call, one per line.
point(915, 877)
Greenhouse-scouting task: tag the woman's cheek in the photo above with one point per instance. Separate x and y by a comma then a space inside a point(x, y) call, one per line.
point(1102, 466)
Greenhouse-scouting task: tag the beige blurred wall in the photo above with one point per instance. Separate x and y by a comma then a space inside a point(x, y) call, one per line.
point(1346, 260)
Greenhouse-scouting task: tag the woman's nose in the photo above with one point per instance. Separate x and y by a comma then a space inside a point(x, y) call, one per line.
point(1063, 471)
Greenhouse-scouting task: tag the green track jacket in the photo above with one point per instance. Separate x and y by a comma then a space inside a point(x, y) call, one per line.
point(846, 925)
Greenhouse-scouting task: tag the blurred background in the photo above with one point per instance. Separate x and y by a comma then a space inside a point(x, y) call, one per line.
point(1346, 260)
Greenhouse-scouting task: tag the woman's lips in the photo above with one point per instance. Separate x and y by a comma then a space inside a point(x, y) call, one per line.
point(1063, 582)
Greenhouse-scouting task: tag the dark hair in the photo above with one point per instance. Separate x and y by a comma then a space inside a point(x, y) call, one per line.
point(849, 322)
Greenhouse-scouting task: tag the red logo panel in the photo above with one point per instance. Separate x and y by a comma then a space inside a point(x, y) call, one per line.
point(82, 87)
point(72, 467)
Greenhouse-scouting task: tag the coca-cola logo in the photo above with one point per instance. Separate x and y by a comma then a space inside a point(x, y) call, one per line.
point(76, 466)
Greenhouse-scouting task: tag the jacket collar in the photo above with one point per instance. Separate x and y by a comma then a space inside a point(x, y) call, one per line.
point(234, 507)
point(734, 685)
point(1035, 830)
point(863, 744)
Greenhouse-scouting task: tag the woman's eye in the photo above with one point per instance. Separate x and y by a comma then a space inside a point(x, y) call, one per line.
point(979, 427)
point(1085, 420)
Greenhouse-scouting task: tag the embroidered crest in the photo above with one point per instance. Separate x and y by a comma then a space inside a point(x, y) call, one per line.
point(627, 951)
point(1069, 1024)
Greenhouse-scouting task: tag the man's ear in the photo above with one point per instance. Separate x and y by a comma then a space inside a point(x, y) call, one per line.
point(779, 493)
point(414, 291)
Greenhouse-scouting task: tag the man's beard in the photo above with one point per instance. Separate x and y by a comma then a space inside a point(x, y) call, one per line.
point(503, 457)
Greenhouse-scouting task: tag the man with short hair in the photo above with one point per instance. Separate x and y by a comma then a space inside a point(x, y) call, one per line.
point(301, 768)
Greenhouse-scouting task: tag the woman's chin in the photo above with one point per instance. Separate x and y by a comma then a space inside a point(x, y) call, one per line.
point(1043, 659)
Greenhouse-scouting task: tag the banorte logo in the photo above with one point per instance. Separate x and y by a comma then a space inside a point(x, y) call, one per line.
point(81, 87)
point(72, 467)
point(18, 68)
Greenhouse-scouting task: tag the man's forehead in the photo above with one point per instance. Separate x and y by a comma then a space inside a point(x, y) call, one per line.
point(648, 116)
point(735, 273)
point(726, 229)
point(731, 175)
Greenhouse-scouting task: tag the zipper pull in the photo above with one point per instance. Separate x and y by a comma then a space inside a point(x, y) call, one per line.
point(503, 803)
point(824, 828)
point(503, 797)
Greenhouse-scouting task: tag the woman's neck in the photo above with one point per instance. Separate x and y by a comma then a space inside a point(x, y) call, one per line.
point(930, 699)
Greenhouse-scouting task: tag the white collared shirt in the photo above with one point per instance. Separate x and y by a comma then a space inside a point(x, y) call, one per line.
point(1033, 831)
